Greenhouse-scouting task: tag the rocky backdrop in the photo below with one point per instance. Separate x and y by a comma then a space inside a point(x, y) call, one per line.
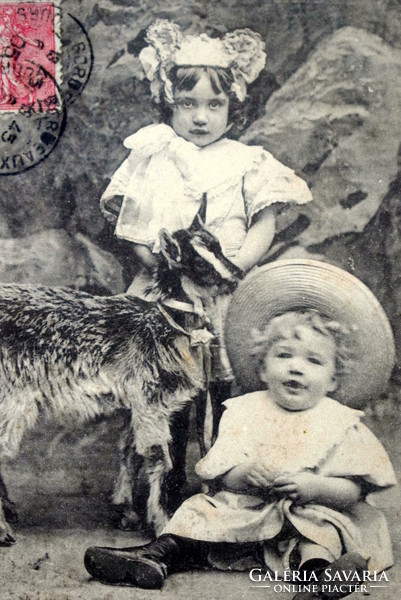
point(327, 104)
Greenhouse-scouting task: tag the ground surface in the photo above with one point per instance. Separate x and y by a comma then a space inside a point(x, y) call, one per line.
point(61, 486)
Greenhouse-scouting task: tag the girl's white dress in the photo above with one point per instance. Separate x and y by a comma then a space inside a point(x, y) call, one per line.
point(328, 439)
point(164, 178)
point(163, 181)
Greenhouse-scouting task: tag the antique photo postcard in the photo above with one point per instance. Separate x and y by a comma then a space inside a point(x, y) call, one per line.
point(199, 299)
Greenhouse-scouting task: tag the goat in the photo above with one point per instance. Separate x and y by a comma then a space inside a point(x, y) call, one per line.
point(75, 356)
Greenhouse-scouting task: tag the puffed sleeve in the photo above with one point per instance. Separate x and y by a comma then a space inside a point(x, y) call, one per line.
point(361, 455)
point(228, 451)
point(269, 181)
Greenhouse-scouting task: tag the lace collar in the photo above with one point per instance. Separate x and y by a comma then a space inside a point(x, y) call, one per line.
point(201, 167)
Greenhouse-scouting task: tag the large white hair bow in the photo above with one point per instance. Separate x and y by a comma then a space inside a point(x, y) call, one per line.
point(242, 51)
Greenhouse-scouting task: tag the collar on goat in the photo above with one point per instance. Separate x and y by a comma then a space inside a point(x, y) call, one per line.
point(187, 307)
point(196, 336)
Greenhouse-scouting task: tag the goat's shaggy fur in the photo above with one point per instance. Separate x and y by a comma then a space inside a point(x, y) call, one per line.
point(75, 356)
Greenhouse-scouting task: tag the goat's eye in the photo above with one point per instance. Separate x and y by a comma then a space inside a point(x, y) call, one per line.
point(207, 238)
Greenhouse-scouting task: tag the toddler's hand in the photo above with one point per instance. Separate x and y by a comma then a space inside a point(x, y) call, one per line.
point(260, 475)
point(299, 487)
point(253, 473)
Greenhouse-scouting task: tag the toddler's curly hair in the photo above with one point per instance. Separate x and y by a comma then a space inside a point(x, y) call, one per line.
point(285, 326)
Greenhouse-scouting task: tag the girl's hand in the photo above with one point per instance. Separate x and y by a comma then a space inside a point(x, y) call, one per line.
point(145, 256)
point(257, 241)
point(304, 487)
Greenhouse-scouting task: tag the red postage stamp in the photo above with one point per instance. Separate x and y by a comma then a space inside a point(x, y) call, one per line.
point(28, 56)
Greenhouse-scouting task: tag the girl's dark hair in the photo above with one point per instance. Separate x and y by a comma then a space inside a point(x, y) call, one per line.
point(185, 78)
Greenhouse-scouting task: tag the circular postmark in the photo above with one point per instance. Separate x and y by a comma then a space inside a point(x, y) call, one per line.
point(41, 73)
point(77, 59)
point(28, 135)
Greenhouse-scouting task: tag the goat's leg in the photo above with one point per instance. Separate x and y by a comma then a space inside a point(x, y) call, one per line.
point(122, 492)
point(203, 403)
point(219, 392)
point(176, 478)
point(6, 534)
point(204, 421)
point(9, 509)
point(123, 497)
point(152, 431)
point(155, 467)
point(150, 480)
point(17, 418)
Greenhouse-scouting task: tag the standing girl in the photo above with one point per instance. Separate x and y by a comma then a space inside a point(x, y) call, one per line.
point(199, 85)
point(187, 165)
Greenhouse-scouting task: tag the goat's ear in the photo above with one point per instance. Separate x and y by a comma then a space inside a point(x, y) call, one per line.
point(170, 248)
point(200, 218)
point(197, 224)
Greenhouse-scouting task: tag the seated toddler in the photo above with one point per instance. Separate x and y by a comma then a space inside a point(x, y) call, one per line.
point(288, 474)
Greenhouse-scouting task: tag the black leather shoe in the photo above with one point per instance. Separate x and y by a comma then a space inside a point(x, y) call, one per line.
point(125, 566)
point(140, 566)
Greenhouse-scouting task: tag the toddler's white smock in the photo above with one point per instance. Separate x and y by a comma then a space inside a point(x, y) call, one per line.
point(328, 439)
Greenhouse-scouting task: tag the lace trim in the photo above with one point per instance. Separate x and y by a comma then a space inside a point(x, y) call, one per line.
point(110, 209)
point(252, 165)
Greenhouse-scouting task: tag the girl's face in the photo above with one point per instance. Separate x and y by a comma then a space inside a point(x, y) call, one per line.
point(200, 115)
point(300, 370)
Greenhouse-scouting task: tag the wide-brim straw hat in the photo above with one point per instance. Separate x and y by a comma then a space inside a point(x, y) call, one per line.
point(286, 285)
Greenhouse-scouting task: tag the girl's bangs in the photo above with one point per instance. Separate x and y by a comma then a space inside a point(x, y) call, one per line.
point(186, 77)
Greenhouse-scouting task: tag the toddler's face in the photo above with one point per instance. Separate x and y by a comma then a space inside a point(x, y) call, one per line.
point(299, 370)
point(200, 115)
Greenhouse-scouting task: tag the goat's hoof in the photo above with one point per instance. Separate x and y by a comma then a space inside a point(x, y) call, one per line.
point(125, 518)
point(129, 520)
point(10, 512)
point(7, 539)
